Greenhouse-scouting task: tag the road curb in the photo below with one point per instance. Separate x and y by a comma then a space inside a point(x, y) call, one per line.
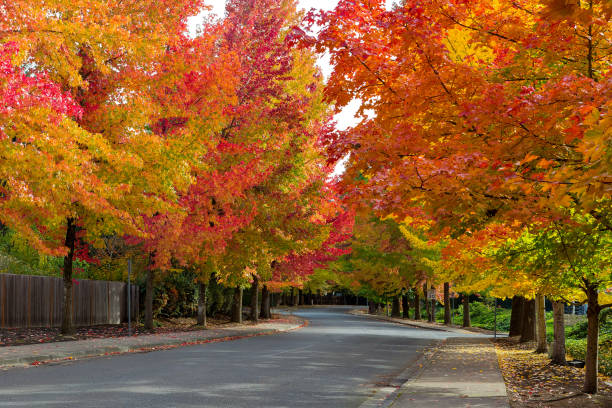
point(385, 397)
point(427, 326)
point(101, 351)
point(411, 324)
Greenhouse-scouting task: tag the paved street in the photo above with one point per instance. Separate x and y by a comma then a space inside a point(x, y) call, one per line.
point(339, 360)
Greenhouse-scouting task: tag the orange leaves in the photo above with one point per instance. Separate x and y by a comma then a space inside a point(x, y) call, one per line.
point(464, 137)
point(529, 158)
point(563, 8)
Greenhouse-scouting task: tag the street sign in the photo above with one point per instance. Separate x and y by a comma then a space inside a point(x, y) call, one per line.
point(431, 294)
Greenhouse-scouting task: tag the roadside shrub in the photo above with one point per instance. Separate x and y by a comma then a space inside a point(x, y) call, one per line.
point(577, 349)
point(219, 299)
point(481, 315)
point(577, 331)
point(176, 295)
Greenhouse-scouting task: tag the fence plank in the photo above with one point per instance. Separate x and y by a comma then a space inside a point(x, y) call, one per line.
point(36, 301)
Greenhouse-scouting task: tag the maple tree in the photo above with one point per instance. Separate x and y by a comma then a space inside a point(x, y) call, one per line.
point(34, 106)
point(102, 53)
point(380, 262)
point(251, 102)
point(476, 112)
point(194, 88)
point(328, 241)
point(276, 113)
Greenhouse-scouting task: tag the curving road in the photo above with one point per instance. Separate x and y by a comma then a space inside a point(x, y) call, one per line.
point(337, 361)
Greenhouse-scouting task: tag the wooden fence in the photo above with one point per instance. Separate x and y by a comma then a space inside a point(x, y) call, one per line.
point(36, 301)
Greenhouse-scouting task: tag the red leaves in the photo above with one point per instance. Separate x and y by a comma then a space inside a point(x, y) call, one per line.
point(21, 92)
point(302, 265)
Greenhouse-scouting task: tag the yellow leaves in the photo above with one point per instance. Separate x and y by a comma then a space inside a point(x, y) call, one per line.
point(460, 46)
point(592, 117)
point(415, 241)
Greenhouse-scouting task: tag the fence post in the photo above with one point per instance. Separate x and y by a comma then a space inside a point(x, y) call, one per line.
point(2, 301)
point(129, 298)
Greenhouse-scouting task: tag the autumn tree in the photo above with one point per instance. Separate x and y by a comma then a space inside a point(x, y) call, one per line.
point(380, 263)
point(102, 53)
point(260, 164)
point(477, 112)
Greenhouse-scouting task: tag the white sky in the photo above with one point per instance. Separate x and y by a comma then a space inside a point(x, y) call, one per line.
point(346, 118)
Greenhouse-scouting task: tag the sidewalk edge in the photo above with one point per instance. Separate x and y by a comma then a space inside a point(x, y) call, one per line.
point(102, 351)
point(412, 324)
point(385, 397)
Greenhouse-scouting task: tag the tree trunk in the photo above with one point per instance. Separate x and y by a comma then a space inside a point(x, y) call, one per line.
point(516, 316)
point(432, 313)
point(300, 297)
point(149, 299)
point(265, 303)
point(67, 306)
point(558, 351)
point(237, 306)
point(294, 297)
point(466, 311)
point(541, 325)
point(202, 304)
point(395, 310)
point(447, 305)
point(417, 305)
point(405, 308)
point(528, 327)
point(426, 302)
point(591, 366)
point(255, 299)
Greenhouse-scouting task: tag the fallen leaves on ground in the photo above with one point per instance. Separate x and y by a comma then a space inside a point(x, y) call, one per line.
point(533, 382)
point(23, 336)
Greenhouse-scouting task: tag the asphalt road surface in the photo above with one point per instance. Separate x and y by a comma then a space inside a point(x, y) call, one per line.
point(337, 361)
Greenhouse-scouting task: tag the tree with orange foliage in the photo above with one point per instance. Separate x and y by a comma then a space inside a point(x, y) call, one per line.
point(102, 53)
point(479, 111)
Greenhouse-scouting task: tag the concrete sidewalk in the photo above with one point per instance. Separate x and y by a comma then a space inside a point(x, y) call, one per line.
point(34, 354)
point(463, 372)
